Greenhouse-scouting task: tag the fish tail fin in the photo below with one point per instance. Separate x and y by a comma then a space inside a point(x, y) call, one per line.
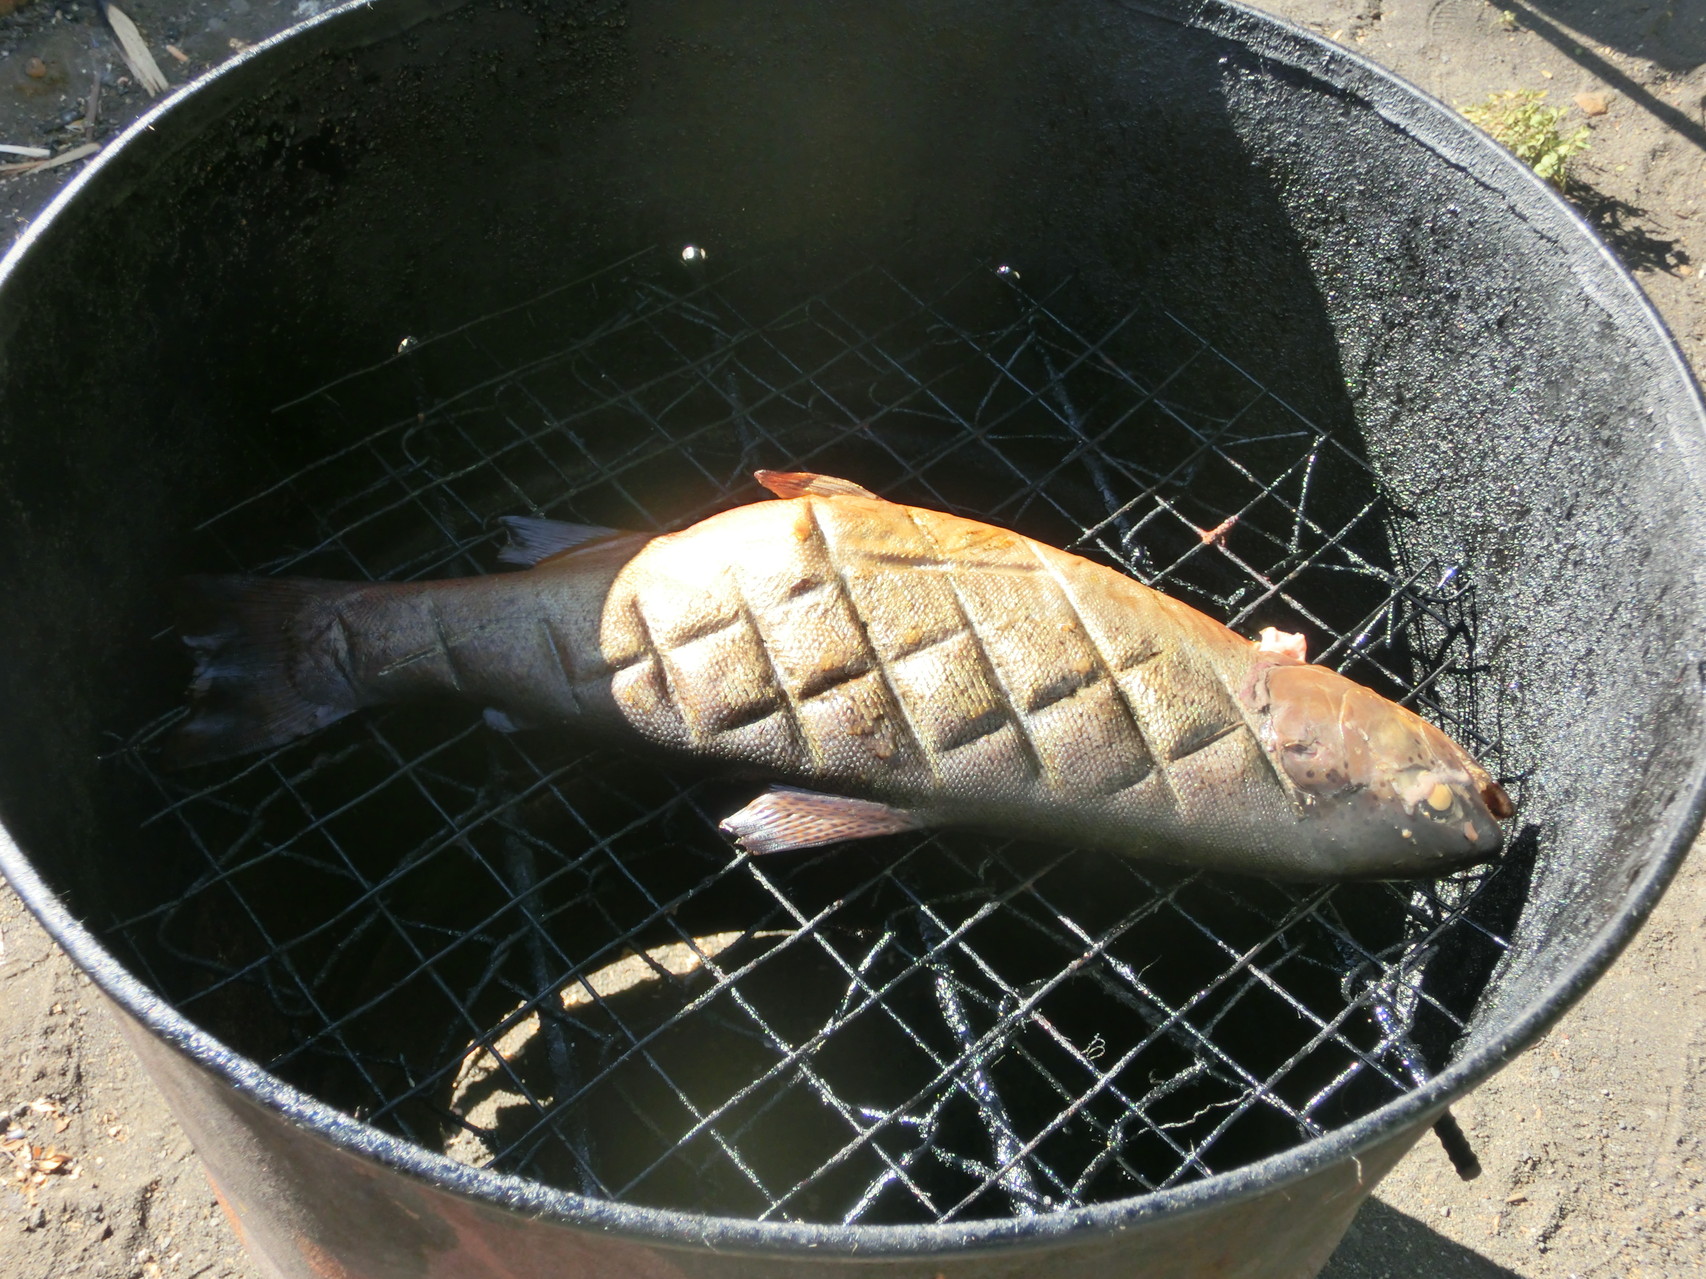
point(269, 659)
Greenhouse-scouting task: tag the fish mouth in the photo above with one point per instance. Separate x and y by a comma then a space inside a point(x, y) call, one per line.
point(1495, 797)
point(1395, 832)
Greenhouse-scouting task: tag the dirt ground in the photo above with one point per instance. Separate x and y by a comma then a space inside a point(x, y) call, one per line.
point(1592, 1142)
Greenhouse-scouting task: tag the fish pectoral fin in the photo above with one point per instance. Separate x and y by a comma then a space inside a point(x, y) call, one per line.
point(784, 818)
point(533, 539)
point(808, 484)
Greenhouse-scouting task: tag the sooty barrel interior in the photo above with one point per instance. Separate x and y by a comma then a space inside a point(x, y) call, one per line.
point(1164, 293)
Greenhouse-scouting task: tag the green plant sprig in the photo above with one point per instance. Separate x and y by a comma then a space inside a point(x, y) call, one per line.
point(1520, 120)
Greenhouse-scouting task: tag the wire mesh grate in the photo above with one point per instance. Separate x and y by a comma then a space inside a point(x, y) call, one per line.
point(542, 958)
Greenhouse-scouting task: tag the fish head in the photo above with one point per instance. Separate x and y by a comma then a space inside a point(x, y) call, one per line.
point(1383, 793)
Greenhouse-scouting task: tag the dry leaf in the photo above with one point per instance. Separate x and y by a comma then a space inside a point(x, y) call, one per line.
point(33, 1165)
point(1592, 103)
point(49, 1161)
point(135, 51)
point(34, 153)
point(54, 1110)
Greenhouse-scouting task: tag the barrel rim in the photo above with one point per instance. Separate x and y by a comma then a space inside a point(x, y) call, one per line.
point(1432, 125)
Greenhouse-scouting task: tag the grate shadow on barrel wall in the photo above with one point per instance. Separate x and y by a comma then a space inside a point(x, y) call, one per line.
point(543, 958)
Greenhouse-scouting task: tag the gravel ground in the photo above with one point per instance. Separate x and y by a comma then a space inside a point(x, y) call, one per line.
point(1591, 1142)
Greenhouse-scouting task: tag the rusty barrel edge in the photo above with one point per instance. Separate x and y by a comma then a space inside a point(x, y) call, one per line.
point(306, 1207)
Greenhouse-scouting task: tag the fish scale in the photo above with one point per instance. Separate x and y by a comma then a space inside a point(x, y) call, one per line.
point(974, 639)
point(909, 667)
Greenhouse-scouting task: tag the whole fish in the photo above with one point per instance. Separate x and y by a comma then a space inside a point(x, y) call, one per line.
point(892, 668)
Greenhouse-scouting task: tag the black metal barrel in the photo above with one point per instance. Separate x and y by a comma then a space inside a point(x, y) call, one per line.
point(1171, 284)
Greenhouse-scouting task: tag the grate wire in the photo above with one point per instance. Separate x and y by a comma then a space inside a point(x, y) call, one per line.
point(541, 957)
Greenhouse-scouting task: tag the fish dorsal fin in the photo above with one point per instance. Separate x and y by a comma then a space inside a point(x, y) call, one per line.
point(807, 484)
point(533, 539)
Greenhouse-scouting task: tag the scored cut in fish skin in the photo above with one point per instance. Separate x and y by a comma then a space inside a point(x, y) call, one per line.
point(963, 673)
point(866, 647)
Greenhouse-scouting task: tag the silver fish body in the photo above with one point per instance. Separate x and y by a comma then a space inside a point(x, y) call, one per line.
point(907, 668)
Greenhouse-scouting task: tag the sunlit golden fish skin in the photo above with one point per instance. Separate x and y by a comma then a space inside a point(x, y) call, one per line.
point(942, 671)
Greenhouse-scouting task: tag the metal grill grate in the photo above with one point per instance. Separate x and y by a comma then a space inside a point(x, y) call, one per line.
point(544, 959)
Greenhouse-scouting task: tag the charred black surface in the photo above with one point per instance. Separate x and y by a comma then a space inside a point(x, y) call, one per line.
point(1187, 292)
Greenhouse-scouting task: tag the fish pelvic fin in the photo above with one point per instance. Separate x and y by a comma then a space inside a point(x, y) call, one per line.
point(783, 818)
point(257, 681)
point(807, 484)
point(532, 539)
